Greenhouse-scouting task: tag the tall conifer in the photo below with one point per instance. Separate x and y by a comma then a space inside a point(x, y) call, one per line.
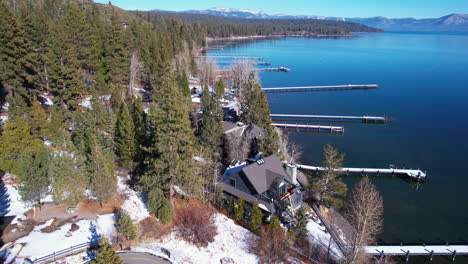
point(125, 137)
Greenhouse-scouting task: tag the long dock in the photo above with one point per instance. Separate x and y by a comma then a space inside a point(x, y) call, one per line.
point(364, 119)
point(423, 250)
point(330, 129)
point(413, 174)
point(282, 69)
point(231, 57)
point(322, 88)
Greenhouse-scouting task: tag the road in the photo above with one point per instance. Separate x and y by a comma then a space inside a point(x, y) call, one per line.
point(141, 258)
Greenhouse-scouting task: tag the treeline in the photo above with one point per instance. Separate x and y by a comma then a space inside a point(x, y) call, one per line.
point(87, 58)
point(217, 26)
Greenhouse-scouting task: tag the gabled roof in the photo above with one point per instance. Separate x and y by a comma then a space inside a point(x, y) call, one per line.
point(263, 174)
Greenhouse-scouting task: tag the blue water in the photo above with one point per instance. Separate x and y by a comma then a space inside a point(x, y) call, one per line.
point(423, 82)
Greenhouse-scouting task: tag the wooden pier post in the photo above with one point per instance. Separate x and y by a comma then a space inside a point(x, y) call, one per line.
point(407, 256)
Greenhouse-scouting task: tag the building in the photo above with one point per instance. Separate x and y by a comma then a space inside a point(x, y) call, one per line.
point(267, 182)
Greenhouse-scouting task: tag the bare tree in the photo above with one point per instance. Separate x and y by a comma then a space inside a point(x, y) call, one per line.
point(207, 72)
point(238, 145)
point(291, 150)
point(365, 213)
point(136, 69)
point(271, 246)
point(243, 72)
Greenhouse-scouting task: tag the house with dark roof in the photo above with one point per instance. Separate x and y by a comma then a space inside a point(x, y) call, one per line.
point(267, 182)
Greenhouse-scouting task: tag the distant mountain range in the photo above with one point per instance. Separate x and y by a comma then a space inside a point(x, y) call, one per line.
point(450, 23)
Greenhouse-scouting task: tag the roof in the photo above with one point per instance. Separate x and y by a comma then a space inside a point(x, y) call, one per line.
point(268, 205)
point(263, 174)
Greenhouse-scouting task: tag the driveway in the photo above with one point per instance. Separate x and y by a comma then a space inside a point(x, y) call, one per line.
point(141, 258)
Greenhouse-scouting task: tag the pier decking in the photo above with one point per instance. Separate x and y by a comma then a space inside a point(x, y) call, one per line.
point(423, 250)
point(282, 69)
point(230, 57)
point(322, 88)
point(330, 129)
point(413, 174)
point(364, 119)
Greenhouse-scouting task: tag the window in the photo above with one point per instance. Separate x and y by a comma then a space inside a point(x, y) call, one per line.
point(298, 200)
point(232, 182)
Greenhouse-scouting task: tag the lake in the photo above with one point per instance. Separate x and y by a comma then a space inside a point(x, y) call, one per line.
point(423, 82)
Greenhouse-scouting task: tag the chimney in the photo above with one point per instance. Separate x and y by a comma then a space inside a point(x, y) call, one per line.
point(293, 173)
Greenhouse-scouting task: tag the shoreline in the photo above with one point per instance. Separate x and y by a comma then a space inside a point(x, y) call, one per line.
point(246, 37)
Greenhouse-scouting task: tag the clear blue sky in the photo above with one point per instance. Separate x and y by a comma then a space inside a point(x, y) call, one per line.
point(341, 8)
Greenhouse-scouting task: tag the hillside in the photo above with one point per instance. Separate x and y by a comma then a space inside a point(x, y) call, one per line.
point(220, 26)
point(453, 22)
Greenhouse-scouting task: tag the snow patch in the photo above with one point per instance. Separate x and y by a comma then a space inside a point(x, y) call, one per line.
point(231, 241)
point(133, 204)
point(17, 207)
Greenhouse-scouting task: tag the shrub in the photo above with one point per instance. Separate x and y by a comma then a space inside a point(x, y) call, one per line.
point(195, 223)
point(125, 227)
point(271, 246)
point(256, 218)
point(239, 209)
point(275, 222)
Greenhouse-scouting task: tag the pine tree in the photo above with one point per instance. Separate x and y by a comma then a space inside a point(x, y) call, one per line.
point(116, 54)
point(160, 205)
point(211, 128)
point(184, 84)
point(38, 120)
point(170, 148)
point(255, 110)
point(15, 141)
point(33, 173)
point(105, 254)
point(239, 210)
point(256, 217)
point(125, 137)
point(36, 23)
point(139, 121)
point(126, 227)
point(220, 87)
point(329, 186)
point(275, 222)
point(101, 174)
point(68, 179)
point(300, 227)
point(14, 55)
point(69, 53)
point(56, 131)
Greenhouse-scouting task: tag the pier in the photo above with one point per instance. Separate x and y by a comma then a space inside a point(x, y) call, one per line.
point(231, 57)
point(423, 250)
point(329, 129)
point(413, 174)
point(363, 119)
point(283, 69)
point(322, 88)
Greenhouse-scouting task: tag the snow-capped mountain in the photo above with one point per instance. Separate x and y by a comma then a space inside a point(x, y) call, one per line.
point(230, 12)
point(453, 22)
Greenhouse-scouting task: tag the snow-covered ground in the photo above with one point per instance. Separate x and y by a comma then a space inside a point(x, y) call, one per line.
point(17, 207)
point(38, 244)
point(317, 235)
point(133, 204)
point(230, 242)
